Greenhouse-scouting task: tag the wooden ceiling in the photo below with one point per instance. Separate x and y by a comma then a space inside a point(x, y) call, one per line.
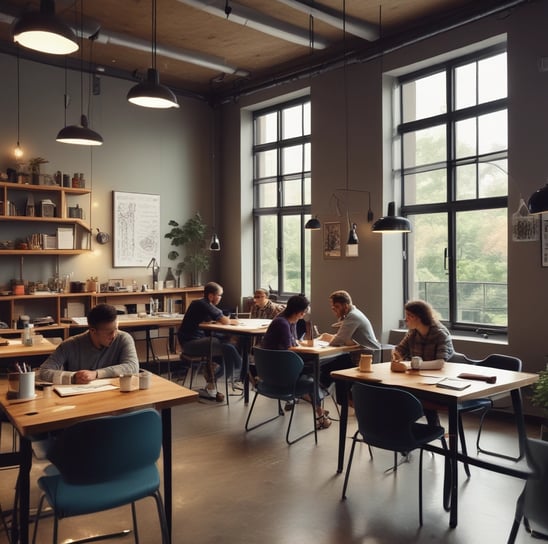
point(253, 58)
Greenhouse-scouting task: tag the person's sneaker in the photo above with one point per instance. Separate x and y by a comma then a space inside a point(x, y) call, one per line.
point(210, 394)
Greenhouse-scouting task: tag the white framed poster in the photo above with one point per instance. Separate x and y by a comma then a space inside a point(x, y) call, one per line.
point(136, 220)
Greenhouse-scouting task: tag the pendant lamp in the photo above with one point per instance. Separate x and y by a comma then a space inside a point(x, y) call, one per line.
point(43, 31)
point(538, 201)
point(391, 222)
point(150, 93)
point(313, 224)
point(80, 134)
point(215, 244)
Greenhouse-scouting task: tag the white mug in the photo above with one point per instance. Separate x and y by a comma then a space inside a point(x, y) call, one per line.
point(144, 379)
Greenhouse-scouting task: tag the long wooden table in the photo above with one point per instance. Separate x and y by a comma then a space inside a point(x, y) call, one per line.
point(16, 349)
point(43, 415)
point(414, 382)
point(247, 329)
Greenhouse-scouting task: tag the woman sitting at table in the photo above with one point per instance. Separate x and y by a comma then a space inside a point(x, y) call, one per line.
point(426, 338)
point(282, 334)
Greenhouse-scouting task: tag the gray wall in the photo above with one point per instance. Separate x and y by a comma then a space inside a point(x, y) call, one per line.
point(166, 152)
point(374, 278)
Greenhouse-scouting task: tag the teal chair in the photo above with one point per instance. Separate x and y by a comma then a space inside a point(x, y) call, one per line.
point(279, 374)
point(105, 463)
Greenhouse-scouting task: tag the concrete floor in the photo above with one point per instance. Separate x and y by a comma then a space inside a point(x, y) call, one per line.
point(233, 487)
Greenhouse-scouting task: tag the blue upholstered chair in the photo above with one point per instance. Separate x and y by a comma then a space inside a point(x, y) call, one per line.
point(279, 377)
point(105, 463)
point(387, 418)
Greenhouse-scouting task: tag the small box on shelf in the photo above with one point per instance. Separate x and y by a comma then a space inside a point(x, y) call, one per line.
point(65, 238)
point(47, 208)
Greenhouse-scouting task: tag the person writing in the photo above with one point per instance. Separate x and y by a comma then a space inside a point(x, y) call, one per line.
point(263, 307)
point(426, 336)
point(102, 351)
point(195, 343)
point(282, 334)
point(353, 328)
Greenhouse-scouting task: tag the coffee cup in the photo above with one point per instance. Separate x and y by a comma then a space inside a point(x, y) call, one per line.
point(129, 382)
point(365, 364)
point(21, 385)
point(144, 379)
point(416, 362)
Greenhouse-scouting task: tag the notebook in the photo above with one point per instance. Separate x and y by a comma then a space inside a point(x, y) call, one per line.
point(453, 383)
point(94, 386)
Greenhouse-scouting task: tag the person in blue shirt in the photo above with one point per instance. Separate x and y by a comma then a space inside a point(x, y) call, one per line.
point(194, 341)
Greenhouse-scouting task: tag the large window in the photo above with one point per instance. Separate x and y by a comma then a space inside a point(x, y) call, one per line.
point(281, 188)
point(453, 135)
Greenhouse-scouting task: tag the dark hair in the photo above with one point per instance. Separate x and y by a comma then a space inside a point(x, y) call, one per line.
point(423, 311)
point(342, 297)
point(211, 288)
point(102, 313)
point(295, 305)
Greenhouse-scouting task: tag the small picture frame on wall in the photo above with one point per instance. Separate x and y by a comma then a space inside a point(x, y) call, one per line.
point(544, 239)
point(332, 240)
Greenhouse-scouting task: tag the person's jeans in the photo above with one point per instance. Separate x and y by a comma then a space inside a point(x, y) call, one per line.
point(201, 348)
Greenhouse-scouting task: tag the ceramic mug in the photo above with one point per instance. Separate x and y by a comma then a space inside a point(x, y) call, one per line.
point(366, 361)
point(144, 379)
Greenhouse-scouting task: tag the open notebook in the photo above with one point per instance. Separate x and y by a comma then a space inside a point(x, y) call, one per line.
point(94, 386)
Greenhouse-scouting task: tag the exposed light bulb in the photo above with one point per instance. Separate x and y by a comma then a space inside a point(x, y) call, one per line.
point(18, 152)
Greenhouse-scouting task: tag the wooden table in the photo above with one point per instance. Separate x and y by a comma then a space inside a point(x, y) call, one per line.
point(43, 415)
point(16, 349)
point(319, 354)
point(413, 381)
point(247, 329)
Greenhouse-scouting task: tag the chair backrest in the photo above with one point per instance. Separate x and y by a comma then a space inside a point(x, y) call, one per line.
point(385, 415)
point(536, 488)
point(503, 362)
point(278, 368)
point(98, 450)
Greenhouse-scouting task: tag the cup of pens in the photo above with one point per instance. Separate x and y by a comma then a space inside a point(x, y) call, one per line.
point(21, 383)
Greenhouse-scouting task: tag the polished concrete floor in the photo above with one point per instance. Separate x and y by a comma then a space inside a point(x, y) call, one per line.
point(233, 487)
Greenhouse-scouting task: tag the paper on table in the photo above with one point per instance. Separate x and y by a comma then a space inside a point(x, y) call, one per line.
point(94, 386)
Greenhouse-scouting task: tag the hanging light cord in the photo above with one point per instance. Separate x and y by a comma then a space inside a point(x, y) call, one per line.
point(345, 86)
point(154, 34)
point(18, 97)
point(81, 57)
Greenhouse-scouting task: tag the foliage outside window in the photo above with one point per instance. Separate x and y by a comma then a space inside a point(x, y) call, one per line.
point(282, 197)
point(453, 137)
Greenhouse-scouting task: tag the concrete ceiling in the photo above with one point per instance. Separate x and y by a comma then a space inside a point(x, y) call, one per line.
point(203, 52)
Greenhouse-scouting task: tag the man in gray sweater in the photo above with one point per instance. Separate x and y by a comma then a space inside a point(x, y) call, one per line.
point(101, 352)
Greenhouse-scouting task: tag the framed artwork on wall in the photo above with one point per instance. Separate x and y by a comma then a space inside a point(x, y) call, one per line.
point(332, 240)
point(136, 221)
point(544, 239)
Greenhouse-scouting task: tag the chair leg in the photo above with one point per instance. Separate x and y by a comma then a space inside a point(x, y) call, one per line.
point(517, 518)
point(349, 466)
point(521, 453)
point(135, 528)
point(247, 427)
point(462, 439)
point(305, 434)
point(420, 487)
point(38, 513)
point(162, 517)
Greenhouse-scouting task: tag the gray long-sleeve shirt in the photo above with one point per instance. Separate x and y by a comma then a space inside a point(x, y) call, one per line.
point(355, 327)
point(78, 353)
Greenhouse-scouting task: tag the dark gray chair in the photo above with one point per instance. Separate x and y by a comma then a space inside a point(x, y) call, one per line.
point(387, 418)
point(532, 504)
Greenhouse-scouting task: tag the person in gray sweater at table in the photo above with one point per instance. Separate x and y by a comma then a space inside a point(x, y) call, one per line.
point(101, 352)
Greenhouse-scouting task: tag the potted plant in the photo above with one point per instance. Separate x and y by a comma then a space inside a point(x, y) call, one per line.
point(192, 236)
point(540, 398)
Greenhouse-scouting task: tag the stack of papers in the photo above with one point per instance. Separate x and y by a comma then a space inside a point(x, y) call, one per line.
point(94, 386)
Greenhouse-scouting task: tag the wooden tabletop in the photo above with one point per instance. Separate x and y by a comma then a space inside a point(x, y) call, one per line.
point(17, 349)
point(47, 414)
point(160, 320)
point(321, 350)
point(244, 326)
point(420, 381)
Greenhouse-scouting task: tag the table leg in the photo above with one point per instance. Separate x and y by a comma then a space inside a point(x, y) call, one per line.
point(453, 451)
point(520, 422)
point(167, 461)
point(244, 375)
point(21, 524)
point(343, 425)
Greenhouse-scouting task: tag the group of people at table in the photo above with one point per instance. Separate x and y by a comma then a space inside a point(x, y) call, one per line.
point(104, 351)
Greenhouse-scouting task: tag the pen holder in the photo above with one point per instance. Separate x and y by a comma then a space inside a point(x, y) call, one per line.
point(21, 385)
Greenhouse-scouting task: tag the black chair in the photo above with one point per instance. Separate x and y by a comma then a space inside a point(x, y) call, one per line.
point(105, 463)
point(504, 362)
point(387, 419)
point(279, 377)
point(532, 504)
